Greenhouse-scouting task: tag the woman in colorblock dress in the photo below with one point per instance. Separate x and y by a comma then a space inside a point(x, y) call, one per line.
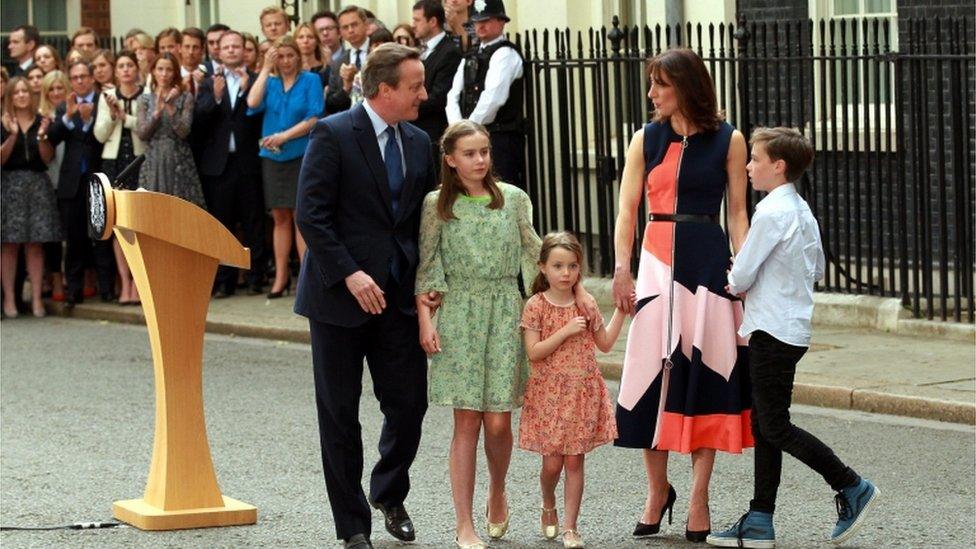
point(685, 383)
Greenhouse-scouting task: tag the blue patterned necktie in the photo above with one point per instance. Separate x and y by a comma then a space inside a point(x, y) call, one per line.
point(394, 175)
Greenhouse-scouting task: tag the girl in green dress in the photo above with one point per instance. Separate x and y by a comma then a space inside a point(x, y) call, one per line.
point(475, 236)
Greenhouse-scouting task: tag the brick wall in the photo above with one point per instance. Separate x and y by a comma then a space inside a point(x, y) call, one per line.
point(97, 14)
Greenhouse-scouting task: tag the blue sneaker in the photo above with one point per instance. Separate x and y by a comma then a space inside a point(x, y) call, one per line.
point(852, 506)
point(754, 529)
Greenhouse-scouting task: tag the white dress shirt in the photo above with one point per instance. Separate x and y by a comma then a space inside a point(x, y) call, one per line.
point(504, 67)
point(379, 126)
point(233, 81)
point(430, 44)
point(778, 264)
point(362, 51)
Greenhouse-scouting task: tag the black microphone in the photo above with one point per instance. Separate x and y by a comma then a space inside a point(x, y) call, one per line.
point(129, 170)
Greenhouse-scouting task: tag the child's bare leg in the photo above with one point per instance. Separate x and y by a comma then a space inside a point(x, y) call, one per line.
point(573, 490)
point(463, 460)
point(552, 468)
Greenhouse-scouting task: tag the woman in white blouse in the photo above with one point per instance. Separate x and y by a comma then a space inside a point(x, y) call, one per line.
point(115, 126)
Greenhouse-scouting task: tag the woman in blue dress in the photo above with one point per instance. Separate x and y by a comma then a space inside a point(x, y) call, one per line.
point(291, 100)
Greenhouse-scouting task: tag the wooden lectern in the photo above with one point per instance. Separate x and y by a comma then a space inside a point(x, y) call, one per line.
point(173, 248)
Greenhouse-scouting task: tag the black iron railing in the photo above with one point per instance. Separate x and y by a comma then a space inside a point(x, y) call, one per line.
point(888, 105)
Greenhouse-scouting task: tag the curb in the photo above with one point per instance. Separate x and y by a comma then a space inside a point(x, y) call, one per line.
point(815, 395)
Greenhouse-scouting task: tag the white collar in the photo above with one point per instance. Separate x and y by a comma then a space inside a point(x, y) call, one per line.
point(431, 43)
point(779, 193)
point(27, 64)
point(492, 42)
point(379, 125)
point(364, 47)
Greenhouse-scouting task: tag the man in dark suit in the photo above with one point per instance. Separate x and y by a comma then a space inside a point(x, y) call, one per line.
point(214, 32)
point(352, 27)
point(363, 180)
point(23, 40)
point(441, 57)
point(229, 163)
point(73, 124)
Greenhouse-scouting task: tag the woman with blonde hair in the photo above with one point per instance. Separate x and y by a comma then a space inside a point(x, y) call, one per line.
point(310, 49)
point(29, 207)
point(145, 51)
point(291, 100)
point(55, 87)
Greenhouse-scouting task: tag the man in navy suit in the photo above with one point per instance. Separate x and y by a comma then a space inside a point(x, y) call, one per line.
point(229, 165)
point(363, 179)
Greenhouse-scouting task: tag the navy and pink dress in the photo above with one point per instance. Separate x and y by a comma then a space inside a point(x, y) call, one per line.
point(685, 382)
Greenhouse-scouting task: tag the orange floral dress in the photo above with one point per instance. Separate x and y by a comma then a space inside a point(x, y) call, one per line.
point(567, 409)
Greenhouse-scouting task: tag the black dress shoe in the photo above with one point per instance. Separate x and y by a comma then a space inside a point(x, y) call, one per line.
point(359, 541)
point(397, 521)
point(107, 297)
point(221, 294)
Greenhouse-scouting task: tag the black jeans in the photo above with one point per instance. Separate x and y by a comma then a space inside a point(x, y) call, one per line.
point(772, 365)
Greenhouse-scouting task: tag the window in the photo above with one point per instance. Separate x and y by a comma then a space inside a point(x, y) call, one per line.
point(49, 16)
point(857, 82)
point(209, 13)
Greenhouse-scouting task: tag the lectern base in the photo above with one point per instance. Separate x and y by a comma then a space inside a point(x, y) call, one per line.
point(140, 514)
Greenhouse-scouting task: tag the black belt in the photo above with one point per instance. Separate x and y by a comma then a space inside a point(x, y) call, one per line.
point(683, 218)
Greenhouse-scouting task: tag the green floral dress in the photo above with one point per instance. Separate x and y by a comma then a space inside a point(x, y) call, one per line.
point(474, 261)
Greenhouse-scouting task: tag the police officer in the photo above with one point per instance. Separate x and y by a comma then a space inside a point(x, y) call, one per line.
point(488, 89)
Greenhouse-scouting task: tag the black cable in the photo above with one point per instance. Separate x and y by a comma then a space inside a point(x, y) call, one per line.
point(72, 526)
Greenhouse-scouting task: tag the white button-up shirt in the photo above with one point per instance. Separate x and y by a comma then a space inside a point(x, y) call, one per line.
point(777, 266)
point(504, 67)
point(430, 44)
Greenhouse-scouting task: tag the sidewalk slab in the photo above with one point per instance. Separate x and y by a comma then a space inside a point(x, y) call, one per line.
point(848, 366)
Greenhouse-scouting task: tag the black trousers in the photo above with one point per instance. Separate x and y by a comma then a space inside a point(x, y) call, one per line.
point(508, 157)
point(772, 365)
point(105, 267)
point(78, 247)
point(398, 366)
point(235, 197)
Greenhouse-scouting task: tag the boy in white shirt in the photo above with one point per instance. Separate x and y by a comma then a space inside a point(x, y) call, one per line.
point(775, 271)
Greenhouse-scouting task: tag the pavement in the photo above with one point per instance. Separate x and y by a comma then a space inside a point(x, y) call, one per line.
point(867, 353)
point(77, 433)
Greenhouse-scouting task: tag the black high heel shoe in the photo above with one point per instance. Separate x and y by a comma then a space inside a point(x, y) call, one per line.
point(284, 291)
point(643, 530)
point(698, 536)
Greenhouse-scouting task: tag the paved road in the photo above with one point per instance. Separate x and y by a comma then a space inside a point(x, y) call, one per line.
point(76, 427)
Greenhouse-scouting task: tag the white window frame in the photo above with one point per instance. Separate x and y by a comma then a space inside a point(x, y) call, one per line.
point(824, 9)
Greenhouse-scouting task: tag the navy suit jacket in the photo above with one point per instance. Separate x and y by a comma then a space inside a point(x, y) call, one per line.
point(345, 213)
point(78, 144)
point(215, 122)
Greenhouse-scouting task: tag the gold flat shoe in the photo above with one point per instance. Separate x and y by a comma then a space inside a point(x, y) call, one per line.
point(572, 539)
point(497, 529)
point(549, 531)
point(476, 545)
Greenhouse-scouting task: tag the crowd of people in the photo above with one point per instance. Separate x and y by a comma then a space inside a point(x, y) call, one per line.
point(394, 170)
point(221, 118)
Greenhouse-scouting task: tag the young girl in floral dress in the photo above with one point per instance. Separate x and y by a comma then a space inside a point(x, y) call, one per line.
point(567, 410)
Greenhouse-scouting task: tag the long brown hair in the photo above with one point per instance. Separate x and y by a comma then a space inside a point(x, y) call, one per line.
point(177, 81)
point(451, 185)
point(562, 239)
point(694, 87)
